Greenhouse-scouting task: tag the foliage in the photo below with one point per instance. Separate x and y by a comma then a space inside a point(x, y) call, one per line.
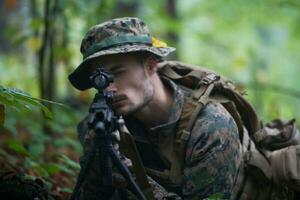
point(26, 149)
point(215, 196)
point(251, 42)
point(18, 99)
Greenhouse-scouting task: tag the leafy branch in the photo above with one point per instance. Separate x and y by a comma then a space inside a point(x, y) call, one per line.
point(20, 100)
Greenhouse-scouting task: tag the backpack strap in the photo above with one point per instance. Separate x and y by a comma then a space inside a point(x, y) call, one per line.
point(130, 149)
point(245, 109)
point(191, 110)
point(202, 83)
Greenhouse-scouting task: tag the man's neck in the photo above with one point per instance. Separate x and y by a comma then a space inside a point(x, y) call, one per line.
point(157, 111)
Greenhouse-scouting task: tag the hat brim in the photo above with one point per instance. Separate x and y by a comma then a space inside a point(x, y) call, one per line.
point(79, 78)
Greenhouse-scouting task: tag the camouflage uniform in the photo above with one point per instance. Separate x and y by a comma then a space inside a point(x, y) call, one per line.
point(213, 151)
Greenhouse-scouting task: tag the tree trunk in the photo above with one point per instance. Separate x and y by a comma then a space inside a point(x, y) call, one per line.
point(46, 57)
point(172, 35)
point(43, 50)
point(50, 81)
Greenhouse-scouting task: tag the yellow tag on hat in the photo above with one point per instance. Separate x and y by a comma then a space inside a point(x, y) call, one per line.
point(158, 43)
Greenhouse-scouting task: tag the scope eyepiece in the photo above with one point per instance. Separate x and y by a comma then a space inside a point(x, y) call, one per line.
point(101, 78)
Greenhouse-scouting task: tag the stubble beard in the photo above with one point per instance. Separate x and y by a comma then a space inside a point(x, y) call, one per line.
point(148, 96)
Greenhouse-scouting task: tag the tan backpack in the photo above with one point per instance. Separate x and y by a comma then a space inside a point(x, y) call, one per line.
point(271, 155)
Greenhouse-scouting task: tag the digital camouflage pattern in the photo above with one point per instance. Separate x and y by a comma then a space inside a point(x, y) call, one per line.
point(120, 35)
point(117, 33)
point(213, 154)
point(213, 151)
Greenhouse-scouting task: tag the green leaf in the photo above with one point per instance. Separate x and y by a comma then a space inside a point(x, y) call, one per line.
point(36, 23)
point(69, 162)
point(2, 115)
point(42, 171)
point(52, 168)
point(67, 190)
point(6, 98)
point(35, 101)
point(17, 146)
point(18, 98)
point(22, 93)
point(29, 163)
point(215, 196)
point(36, 149)
point(10, 102)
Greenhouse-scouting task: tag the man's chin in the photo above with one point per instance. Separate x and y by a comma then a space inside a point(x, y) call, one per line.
point(122, 111)
point(119, 113)
point(125, 111)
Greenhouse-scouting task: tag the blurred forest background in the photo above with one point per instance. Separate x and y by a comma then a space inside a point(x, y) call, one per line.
point(255, 43)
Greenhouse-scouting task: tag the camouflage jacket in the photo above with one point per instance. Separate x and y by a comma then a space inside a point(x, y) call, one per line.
point(213, 152)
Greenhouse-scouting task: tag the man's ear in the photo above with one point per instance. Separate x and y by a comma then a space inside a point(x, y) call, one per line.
point(151, 64)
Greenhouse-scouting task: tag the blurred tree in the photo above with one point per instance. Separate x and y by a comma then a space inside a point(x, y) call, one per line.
point(47, 63)
point(171, 9)
point(7, 9)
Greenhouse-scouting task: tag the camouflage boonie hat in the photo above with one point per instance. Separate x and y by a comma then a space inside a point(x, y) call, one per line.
point(120, 35)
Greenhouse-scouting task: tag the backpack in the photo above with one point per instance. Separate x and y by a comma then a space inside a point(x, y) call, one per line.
point(270, 168)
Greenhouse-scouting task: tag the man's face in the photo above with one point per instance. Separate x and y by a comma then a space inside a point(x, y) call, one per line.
point(132, 85)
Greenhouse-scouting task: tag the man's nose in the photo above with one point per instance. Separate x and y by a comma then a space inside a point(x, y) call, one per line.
point(111, 88)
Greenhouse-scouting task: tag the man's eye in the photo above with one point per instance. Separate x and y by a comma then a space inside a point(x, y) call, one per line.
point(117, 72)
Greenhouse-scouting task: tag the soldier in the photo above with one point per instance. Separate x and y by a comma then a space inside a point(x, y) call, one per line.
point(152, 107)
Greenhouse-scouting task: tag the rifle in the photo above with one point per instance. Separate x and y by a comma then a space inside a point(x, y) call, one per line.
point(104, 122)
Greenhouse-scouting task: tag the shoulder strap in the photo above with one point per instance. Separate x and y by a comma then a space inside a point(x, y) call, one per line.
point(187, 76)
point(245, 110)
point(131, 150)
point(191, 110)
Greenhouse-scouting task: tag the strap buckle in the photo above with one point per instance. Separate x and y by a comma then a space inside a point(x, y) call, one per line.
point(210, 78)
